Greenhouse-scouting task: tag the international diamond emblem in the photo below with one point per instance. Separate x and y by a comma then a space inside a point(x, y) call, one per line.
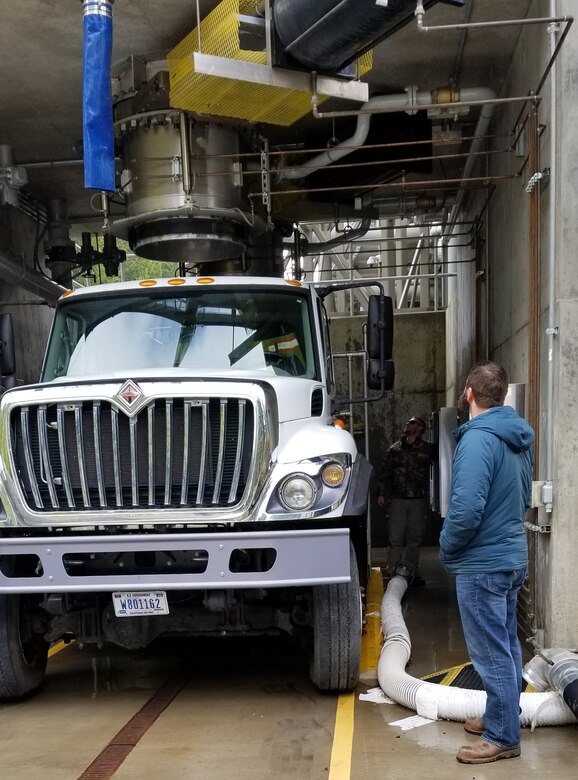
point(129, 392)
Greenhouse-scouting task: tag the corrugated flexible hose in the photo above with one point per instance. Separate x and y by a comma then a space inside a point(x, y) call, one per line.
point(439, 701)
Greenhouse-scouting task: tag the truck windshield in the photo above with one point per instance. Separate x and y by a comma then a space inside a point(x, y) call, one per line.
point(206, 330)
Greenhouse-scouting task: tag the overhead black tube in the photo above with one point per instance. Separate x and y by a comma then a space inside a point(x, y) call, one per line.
point(327, 35)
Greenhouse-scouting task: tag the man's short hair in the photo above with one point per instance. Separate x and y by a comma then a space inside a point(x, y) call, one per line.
point(489, 383)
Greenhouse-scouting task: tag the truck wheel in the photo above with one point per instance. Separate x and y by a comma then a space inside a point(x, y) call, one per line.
point(337, 633)
point(23, 651)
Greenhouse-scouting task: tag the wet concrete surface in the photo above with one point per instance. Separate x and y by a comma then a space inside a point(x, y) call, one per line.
point(248, 711)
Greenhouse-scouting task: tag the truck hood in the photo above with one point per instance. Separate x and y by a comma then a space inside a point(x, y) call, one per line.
point(293, 393)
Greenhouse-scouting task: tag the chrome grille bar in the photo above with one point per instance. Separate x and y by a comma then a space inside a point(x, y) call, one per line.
point(116, 455)
point(186, 446)
point(151, 451)
point(60, 418)
point(221, 456)
point(97, 431)
point(133, 459)
point(45, 455)
point(25, 425)
point(203, 461)
point(239, 453)
point(169, 452)
point(80, 450)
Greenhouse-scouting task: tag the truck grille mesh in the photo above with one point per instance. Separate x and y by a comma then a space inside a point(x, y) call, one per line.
point(173, 453)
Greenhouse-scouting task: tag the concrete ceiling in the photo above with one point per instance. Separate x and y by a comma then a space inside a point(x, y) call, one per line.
point(41, 71)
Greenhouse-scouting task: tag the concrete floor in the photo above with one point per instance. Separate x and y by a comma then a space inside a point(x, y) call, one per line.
point(249, 712)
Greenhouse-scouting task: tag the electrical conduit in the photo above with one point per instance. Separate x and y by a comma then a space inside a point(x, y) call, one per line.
point(439, 701)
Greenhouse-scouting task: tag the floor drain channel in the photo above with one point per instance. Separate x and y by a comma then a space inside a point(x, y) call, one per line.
point(116, 752)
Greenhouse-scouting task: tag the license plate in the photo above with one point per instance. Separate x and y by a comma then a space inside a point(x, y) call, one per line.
point(144, 602)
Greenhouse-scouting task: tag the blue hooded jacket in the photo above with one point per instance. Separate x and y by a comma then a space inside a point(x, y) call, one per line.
point(483, 530)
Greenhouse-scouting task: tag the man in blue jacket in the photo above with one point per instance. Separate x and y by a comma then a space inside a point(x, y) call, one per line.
point(483, 542)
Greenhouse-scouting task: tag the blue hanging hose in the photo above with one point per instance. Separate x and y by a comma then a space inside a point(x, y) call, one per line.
point(97, 128)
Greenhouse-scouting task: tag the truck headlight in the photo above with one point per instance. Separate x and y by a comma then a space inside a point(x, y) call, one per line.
point(298, 492)
point(333, 474)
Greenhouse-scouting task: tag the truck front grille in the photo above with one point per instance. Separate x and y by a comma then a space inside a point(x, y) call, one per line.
point(176, 452)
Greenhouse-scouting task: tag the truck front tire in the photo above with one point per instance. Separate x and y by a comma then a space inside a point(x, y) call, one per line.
point(337, 623)
point(23, 651)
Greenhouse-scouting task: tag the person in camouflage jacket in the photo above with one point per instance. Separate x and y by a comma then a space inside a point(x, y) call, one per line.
point(404, 486)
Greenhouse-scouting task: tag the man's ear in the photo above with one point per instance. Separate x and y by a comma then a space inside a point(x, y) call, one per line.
point(470, 395)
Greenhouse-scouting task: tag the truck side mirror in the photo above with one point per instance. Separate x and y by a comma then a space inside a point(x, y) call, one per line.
point(375, 374)
point(7, 356)
point(379, 323)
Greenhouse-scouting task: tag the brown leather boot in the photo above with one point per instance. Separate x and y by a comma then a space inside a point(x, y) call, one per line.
point(483, 752)
point(475, 726)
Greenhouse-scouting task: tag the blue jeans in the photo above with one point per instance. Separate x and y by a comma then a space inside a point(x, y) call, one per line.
point(487, 605)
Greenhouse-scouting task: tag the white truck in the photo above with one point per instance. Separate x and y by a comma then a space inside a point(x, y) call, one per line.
point(177, 471)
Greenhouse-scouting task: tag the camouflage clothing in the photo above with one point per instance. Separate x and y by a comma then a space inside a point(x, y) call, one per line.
point(405, 470)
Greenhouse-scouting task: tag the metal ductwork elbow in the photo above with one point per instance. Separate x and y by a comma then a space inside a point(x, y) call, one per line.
point(555, 669)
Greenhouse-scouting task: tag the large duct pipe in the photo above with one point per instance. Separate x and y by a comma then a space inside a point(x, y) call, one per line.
point(555, 668)
point(408, 100)
point(329, 34)
point(98, 134)
point(407, 205)
point(440, 701)
point(13, 271)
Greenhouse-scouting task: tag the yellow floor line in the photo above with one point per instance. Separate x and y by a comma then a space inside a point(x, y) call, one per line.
point(341, 751)
point(444, 672)
point(452, 674)
point(340, 765)
point(58, 647)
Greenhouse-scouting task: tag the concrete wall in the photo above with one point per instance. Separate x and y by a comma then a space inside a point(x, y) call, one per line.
point(420, 360)
point(558, 554)
point(30, 316)
point(506, 260)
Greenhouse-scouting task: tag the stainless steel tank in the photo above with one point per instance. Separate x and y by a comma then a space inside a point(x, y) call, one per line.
point(183, 187)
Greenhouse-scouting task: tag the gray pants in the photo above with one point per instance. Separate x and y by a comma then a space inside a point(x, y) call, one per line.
point(407, 519)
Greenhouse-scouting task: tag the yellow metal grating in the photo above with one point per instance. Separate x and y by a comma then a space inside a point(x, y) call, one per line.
point(205, 94)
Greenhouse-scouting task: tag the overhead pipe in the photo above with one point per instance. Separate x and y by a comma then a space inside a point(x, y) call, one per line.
point(97, 121)
point(441, 701)
point(410, 100)
point(13, 271)
point(421, 7)
point(342, 238)
point(410, 204)
point(412, 266)
point(478, 138)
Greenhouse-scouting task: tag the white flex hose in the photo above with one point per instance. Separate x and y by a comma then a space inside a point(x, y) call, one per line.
point(441, 701)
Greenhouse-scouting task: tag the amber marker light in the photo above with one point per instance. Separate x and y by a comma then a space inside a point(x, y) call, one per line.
point(67, 293)
point(205, 280)
point(294, 282)
point(333, 474)
point(176, 281)
point(148, 283)
point(339, 423)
